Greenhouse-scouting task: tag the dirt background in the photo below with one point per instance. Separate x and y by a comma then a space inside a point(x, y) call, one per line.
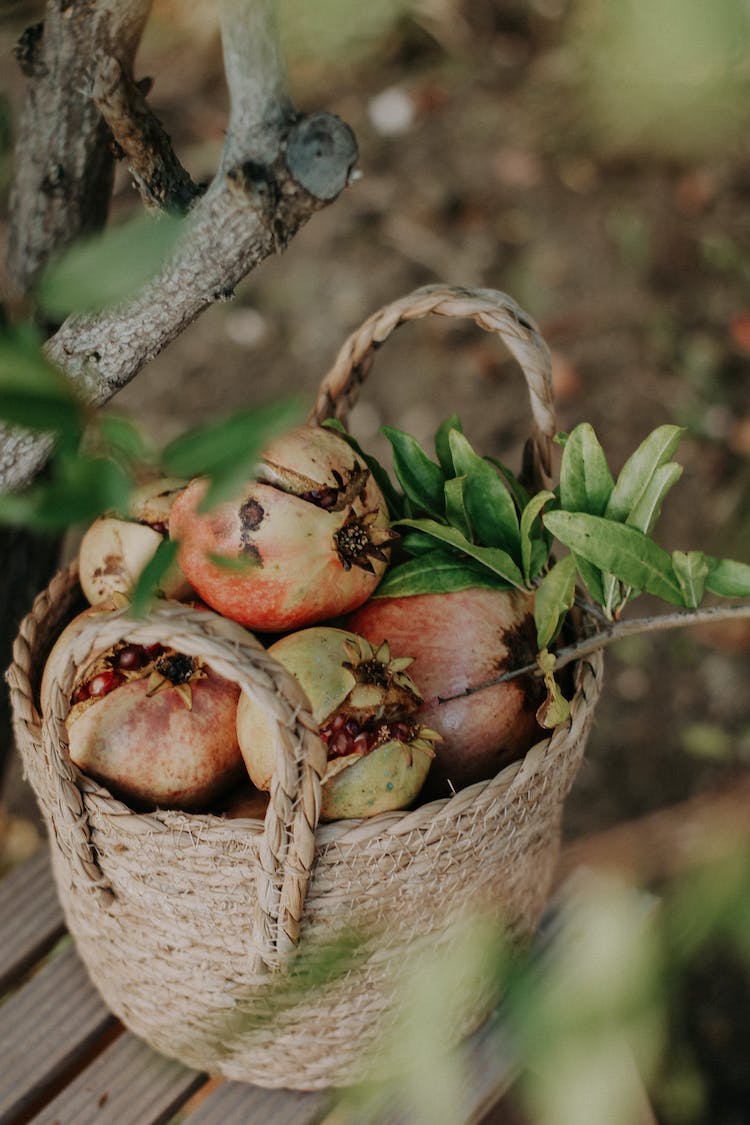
point(488, 160)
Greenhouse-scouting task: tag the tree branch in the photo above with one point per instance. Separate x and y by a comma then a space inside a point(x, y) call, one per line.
point(64, 163)
point(160, 177)
point(276, 170)
point(261, 109)
point(635, 626)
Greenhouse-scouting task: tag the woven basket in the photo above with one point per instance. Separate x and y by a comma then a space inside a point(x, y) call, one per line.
point(187, 922)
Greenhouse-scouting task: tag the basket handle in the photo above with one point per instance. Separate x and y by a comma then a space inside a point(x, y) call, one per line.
point(491, 310)
point(287, 846)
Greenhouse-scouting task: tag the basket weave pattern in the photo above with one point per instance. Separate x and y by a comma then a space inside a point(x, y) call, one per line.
point(185, 921)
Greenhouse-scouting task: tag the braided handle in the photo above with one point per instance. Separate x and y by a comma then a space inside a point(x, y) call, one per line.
point(287, 847)
point(491, 310)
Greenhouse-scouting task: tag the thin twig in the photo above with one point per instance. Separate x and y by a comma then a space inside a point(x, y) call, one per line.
point(159, 175)
point(613, 633)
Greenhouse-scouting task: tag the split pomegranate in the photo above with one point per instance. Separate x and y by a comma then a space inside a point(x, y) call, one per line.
point(156, 727)
point(114, 551)
point(305, 541)
point(365, 705)
point(460, 640)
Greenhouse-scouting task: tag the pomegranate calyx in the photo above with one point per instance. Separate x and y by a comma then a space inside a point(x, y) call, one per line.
point(382, 690)
point(175, 670)
point(358, 540)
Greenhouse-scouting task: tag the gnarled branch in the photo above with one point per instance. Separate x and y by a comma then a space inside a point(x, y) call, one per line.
point(277, 168)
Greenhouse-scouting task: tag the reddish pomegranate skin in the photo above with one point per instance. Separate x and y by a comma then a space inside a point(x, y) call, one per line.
point(308, 547)
point(153, 751)
point(459, 640)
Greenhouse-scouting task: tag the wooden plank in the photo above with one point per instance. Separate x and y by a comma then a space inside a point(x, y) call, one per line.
point(49, 1023)
point(127, 1084)
point(236, 1101)
point(31, 918)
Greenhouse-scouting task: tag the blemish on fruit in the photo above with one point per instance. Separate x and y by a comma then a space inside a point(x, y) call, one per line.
point(251, 515)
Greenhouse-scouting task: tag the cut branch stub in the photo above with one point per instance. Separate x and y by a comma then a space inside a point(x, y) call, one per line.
point(321, 153)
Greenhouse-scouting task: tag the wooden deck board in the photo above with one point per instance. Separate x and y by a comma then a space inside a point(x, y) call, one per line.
point(236, 1102)
point(54, 1019)
point(31, 919)
point(127, 1084)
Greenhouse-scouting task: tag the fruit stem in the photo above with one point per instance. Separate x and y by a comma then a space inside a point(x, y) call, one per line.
point(614, 632)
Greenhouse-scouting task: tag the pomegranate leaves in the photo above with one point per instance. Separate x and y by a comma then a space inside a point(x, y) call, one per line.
point(607, 525)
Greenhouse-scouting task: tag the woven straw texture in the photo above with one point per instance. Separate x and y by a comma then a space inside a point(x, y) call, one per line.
point(188, 923)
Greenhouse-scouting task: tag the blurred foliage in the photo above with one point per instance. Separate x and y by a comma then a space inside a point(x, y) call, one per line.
point(329, 29)
point(107, 268)
point(588, 1010)
point(668, 77)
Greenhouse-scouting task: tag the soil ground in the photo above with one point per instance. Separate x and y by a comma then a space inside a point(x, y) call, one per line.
point(483, 166)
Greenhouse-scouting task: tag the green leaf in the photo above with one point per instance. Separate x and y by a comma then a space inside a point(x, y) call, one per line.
point(35, 394)
point(585, 479)
point(421, 479)
point(530, 514)
point(495, 560)
point(539, 555)
point(648, 508)
point(637, 472)
point(120, 436)
point(691, 568)
point(107, 268)
point(555, 709)
point(227, 451)
point(152, 575)
point(620, 550)
point(414, 543)
point(727, 578)
point(592, 578)
point(442, 444)
point(82, 490)
point(489, 504)
point(455, 505)
point(237, 564)
point(552, 600)
point(393, 497)
point(437, 572)
point(517, 491)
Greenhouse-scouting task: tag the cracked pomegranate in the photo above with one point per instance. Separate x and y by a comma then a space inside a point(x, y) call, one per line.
point(156, 727)
point(379, 753)
point(114, 551)
point(305, 541)
point(460, 640)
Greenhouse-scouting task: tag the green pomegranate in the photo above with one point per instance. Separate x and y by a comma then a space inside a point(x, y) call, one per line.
point(364, 704)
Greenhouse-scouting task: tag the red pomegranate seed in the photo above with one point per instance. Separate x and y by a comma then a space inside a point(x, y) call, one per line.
point(361, 744)
point(341, 744)
point(81, 693)
point(338, 723)
point(351, 726)
point(104, 682)
point(130, 657)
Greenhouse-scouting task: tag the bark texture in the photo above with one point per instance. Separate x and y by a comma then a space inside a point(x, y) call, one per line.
point(276, 169)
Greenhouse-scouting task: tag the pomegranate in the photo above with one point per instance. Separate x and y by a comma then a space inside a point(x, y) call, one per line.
point(305, 541)
point(114, 551)
point(364, 704)
point(155, 726)
point(460, 640)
